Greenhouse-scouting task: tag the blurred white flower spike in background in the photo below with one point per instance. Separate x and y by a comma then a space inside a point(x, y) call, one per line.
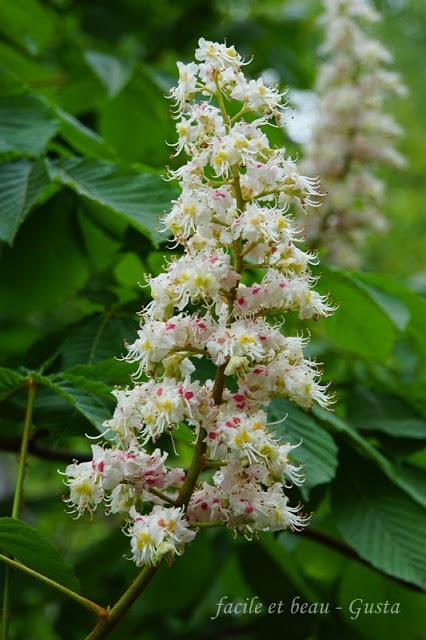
point(238, 269)
point(352, 135)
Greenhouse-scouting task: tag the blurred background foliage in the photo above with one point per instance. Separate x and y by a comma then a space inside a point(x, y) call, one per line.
point(83, 125)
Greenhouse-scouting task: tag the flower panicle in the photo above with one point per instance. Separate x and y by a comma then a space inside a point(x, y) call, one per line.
point(352, 135)
point(240, 266)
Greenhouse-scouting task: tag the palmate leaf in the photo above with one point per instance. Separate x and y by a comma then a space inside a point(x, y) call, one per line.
point(317, 451)
point(26, 126)
point(138, 198)
point(26, 544)
point(380, 522)
point(21, 185)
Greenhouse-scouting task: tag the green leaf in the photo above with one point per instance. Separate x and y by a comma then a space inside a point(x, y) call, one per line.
point(23, 67)
point(415, 304)
point(9, 381)
point(46, 265)
point(99, 338)
point(402, 476)
point(91, 398)
point(21, 184)
point(27, 23)
point(10, 85)
point(26, 544)
point(138, 198)
point(129, 270)
point(112, 72)
point(317, 452)
point(111, 371)
point(26, 126)
point(83, 139)
point(137, 122)
point(374, 411)
point(413, 481)
point(380, 522)
point(362, 324)
point(395, 308)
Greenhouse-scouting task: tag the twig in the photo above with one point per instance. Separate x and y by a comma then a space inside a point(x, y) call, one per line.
point(88, 604)
point(26, 434)
point(162, 495)
point(107, 624)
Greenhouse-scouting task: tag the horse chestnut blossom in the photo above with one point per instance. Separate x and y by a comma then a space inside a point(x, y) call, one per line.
point(352, 135)
point(237, 269)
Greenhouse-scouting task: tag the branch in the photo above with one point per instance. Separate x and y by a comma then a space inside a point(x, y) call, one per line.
point(163, 496)
point(194, 470)
point(26, 434)
point(119, 610)
point(88, 604)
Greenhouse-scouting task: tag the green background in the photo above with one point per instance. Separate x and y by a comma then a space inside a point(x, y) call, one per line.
point(83, 125)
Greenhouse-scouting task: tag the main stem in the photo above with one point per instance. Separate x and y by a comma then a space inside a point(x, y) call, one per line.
point(17, 500)
point(121, 607)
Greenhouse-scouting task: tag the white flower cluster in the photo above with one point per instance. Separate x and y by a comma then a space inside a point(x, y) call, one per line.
point(239, 264)
point(352, 134)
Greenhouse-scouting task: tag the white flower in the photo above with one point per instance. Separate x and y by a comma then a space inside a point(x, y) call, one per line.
point(257, 96)
point(218, 55)
point(190, 279)
point(187, 82)
point(121, 499)
point(156, 339)
point(85, 489)
point(108, 466)
point(162, 532)
point(279, 514)
point(206, 504)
